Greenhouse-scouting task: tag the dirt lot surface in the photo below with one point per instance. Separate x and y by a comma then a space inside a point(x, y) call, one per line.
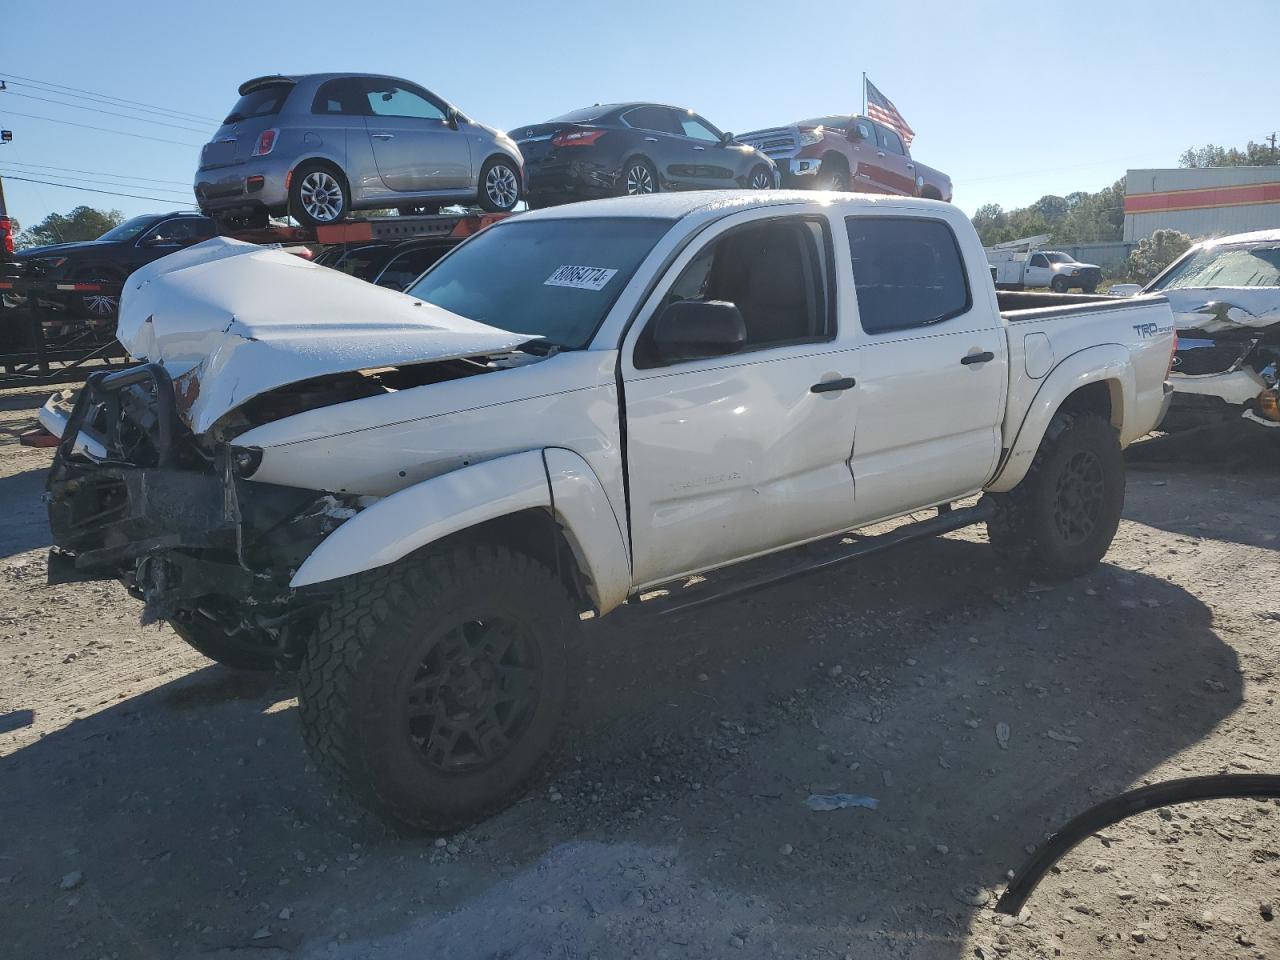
point(154, 805)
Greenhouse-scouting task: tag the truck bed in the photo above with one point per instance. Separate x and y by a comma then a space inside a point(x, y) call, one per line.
point(1023, 305)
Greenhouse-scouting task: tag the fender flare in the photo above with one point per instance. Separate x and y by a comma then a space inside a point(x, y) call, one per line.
point(1107, 363)
point(556, 480)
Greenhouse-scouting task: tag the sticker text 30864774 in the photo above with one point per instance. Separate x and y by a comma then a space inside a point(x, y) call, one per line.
point(580, 278)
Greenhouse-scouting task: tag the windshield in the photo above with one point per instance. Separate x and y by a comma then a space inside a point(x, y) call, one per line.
point(551, 278)
point(129, 229)
point(1226, 266)
point(1058, 258)
point(262, 102)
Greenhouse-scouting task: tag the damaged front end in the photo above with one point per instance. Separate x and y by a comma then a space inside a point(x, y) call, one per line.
point(133, 494)
point(1226, 365)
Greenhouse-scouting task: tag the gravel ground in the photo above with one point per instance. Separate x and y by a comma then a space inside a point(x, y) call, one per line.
point(154, 805)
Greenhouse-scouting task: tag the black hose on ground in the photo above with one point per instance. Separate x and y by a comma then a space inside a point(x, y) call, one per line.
point(1217, 787)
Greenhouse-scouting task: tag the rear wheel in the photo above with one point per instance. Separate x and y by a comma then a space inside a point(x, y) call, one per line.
point(98, 305)
point(499, 185)
point(1062, 517)
point(318, 195)
point(433, 694)
point(639, 177)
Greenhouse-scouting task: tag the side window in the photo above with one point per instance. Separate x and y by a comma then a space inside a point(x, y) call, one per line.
point(185, 230)
point(1039, 260)
point(694, 127)
point(389, 99)
point(657, 119)
point(408, 266)
point(775, 273)
point(339, 97)
point(890, 142)
point(908, 272)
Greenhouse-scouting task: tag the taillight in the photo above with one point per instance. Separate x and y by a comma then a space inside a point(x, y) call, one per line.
point(266, 142)
point(1173, 354)
point(6, 235)
point(577, 138)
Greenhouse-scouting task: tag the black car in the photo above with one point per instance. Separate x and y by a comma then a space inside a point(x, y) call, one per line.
point(627, 148)
point(387, 263)
point(114, 255)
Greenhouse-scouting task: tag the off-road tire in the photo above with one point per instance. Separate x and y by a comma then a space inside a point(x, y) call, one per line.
point(371, 646)
point(1027, 528)
point(207, 638)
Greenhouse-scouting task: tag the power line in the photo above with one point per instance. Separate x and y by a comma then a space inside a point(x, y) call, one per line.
point(62, 176)
point(110, 176)
point(107, 96)
point(110, 113)
point(89, 126)
point(112, 193)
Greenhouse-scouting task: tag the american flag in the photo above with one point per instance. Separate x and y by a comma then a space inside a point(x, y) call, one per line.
point(881, 109)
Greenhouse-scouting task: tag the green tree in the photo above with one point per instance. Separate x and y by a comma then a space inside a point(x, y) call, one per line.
point(82, 223)
point(1212, 155)
point(1154, 254)
point(1078, 217)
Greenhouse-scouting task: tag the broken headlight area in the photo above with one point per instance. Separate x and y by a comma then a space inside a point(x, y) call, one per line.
point(177, 523)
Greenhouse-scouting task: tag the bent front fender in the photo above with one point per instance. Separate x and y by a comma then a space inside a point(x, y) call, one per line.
point(555, 480)
point(1109, 363)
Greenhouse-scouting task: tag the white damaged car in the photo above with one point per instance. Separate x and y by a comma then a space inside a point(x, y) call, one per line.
point(415, 498)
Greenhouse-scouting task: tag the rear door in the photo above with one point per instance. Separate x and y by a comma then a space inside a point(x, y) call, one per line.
point(414, 146)
point(896, 168)
point(933, 362)
point(737, 455)
point(663, 141)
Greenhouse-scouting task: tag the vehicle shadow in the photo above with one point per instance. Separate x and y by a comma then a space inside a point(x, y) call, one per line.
point(672, 822)
point(1222, 483)
point(26, 526)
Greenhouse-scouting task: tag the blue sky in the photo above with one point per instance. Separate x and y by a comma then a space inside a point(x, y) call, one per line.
point(1012, 100)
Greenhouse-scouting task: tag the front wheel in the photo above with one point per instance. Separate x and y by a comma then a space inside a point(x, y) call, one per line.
point(432, 689)
point(761, 179)
point(1062, 517)
point(499, 186)
point(1059, 285)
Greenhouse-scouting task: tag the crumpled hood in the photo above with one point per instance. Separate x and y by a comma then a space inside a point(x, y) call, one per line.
point(1217, 309)
point(231, 320)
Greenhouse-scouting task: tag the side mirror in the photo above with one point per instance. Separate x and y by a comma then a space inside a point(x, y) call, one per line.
point(451, 117)
point(698, 330)
point(855, 133)
point(726, 138)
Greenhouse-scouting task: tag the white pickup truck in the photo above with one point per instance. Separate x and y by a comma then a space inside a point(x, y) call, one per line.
point(1060, 272)
point(414, 498)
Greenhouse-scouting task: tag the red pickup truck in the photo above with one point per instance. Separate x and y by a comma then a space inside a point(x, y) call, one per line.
point(847, 153)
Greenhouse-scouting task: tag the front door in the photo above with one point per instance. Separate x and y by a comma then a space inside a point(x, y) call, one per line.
point(1038, 271)
point(414, 145)
point(737, 455)
point(896, 167)
point(714, 165)
point(933, 367)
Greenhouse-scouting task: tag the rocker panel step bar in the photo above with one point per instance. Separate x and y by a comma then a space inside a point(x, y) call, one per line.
point(947, 520)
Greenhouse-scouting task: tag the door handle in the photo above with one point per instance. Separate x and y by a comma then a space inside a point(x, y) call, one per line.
point(699, 148)
point(983, 357)
point(879, 153)
point(831, 386)
point(650, 139)
point(383, 136)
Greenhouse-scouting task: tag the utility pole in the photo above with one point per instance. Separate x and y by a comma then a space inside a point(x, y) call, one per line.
point(1271, 140)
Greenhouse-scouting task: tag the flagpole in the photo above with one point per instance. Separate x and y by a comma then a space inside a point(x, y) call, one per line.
point(864, 93)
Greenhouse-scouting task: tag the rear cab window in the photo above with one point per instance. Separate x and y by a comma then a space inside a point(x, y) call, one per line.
point(263, 101)
point(908, 273)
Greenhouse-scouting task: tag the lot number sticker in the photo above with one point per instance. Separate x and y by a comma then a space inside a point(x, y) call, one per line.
point(580, 278)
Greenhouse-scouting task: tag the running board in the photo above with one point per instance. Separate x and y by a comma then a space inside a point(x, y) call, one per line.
point(947, 520)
